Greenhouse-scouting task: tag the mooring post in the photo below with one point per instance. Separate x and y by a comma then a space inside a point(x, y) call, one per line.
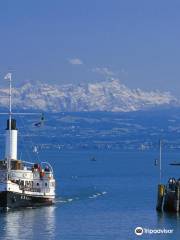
point(177, 197)
point(160, 197)
point(161, 187)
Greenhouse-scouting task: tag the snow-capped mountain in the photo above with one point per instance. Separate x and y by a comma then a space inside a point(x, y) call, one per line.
point(101, 96)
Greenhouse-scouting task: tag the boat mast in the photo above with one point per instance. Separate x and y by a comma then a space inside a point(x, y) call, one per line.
point(9, 77)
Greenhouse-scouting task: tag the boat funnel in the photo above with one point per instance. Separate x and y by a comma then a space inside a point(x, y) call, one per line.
point(11, 140)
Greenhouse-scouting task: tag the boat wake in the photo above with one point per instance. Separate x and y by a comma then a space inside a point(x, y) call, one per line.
point(63, 200)
point(98, 194)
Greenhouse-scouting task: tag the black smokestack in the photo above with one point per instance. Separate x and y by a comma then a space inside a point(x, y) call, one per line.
point(13, 124)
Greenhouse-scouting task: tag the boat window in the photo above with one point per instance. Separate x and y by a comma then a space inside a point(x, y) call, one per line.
point(37, 184)
point(46, 184)
point(21, 183)
point(53, 184)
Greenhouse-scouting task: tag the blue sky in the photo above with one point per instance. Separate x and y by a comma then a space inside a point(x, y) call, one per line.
point(63, 41)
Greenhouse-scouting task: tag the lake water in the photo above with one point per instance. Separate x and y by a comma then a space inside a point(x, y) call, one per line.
point(103, 199)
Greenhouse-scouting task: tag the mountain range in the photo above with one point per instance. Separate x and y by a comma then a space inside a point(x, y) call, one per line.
point(109, 95)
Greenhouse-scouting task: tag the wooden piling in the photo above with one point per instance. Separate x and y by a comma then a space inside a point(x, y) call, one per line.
point(177, 198)
point(160, 197)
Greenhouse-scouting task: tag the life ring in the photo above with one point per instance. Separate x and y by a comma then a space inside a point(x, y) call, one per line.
point(42, 174)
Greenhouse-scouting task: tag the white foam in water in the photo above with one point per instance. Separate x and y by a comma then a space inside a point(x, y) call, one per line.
point(74, 177)
point(97, 194)
point(92, 196)
point(104, 193)
point(70, 200)
point(60, 200)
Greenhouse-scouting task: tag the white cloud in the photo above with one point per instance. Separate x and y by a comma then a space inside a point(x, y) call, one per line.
point(104, 71)
point(75, 61)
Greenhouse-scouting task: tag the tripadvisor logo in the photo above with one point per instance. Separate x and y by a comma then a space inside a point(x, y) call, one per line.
point(138, 231)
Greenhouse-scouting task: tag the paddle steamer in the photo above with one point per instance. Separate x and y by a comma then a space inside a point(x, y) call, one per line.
point(22, 183)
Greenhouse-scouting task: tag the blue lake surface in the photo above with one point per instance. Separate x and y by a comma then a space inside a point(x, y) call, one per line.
point(103, 199)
